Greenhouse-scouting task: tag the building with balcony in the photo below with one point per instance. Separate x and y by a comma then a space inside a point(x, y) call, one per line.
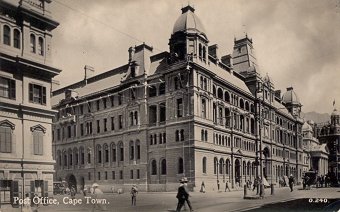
point(187, 112)
point(26, 72)
point(329, 134)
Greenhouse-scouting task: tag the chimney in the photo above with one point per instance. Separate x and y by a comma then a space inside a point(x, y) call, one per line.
point(212, 51)
point(89, 72)
point(131, 53)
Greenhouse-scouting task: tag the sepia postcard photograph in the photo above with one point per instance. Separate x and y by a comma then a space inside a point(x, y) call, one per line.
point(169, 105)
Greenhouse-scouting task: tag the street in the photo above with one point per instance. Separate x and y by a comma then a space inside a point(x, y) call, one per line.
point(212, 201)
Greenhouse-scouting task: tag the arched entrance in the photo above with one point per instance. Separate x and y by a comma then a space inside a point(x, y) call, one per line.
point(266, 164)
point(71, 181)
point(237, 171)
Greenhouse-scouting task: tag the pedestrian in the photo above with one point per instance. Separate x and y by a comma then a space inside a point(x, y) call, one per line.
point(202, 187)
point(97, 194)
point(218, 185)
point(255, 183)
point(183, 195)
point(113, 189)
point(73, 192)
point(291, 182)
point(134, 192)
point(226, 186)
point(27, 204)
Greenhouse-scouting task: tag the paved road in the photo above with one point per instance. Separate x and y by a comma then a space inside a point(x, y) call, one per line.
point(211, 201)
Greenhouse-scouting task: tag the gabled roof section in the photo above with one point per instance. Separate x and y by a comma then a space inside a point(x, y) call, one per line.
point(38, 128)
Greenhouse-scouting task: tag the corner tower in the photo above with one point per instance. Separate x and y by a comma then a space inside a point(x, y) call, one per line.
point(188, 37)
point(244, 59)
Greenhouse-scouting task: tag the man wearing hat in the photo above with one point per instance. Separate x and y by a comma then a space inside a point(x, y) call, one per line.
point(291, 182)
point(183, 195)
point(97, 193)
point(134, 191)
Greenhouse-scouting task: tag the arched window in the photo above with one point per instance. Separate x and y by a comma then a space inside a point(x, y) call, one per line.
point(215, 165)
point(76, 156)
point(182, 135)
point(131, 118)
point(220, 93)
point(6, 133)
point(32, 43)
point(163, 167)
point(132, 150)
point(204, 52)
point(82, 155)
point(227, 166)
point(201, 82)
point(65, 158)
point(59, 158)
point(99, 154)
point(113, 152)
point(214, 90)
point(247, 106)
point(136, 118)
point(106, 153)
point(153, 167)
point(16, 39)
point(204, 165)
point(38, 132)
point(121, 151)
point(205, 84)
point(221, 165)
point(180, 166)
point(70, 157)
point(41, 46)
point(200, 50)
point(7, 35)
point(206, 135)
point(244, 168)
point(137, 150)
point(241, 103)
point(177, 83)
point(227, 96)
point(202, 135)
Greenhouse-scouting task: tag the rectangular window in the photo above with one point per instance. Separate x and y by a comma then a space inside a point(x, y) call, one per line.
point(113, 175)
point(179, 107)
point(119, 99)
point(38, 142)
point(89, 175)
point(105, 125)
point(114, 155)
point(112, 98)
point(104, 103)
point(162, 112)
point(81, 109)
point(121, 174)
point(98, 105)
point(138, 152)
point(5, 139)
point(98, 175)
point(204, 113)
point(7, 88)
point(131, 174)
point(68, 131)
point(120, 121)
point(106, 175)
point(37, 94)
point(82, 129)
point(98, 126)
point(138, 174)
point(112, 123)
point(74, 130)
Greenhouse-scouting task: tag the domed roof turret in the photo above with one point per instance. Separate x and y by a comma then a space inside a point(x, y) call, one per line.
point(189, 22)
point(306, 127)
point(290, 97)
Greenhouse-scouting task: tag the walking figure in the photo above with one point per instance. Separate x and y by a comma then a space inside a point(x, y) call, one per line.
point(183, 195)
point(226, 186)
point(202, 187)
point(134, 192)
point(291, 182)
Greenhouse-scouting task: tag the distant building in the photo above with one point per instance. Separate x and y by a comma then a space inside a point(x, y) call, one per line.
point(26, 72)
point(329, 134)
point(188, 112)
point(315, 154)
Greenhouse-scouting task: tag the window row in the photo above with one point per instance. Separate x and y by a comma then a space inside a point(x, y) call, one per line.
point(6, 138)
point(179, 135)
point(204, 135)
point(162, 138)
point(11, 37)
point(134, 174)
point(163, 166)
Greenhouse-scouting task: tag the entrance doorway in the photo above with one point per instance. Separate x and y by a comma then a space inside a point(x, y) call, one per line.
point(238, 172)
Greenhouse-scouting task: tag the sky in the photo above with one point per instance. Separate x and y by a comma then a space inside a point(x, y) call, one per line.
point(297, 42)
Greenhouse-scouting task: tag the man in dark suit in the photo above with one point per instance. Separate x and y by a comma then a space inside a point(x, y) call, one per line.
point(183, 195)
point(291, 182)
